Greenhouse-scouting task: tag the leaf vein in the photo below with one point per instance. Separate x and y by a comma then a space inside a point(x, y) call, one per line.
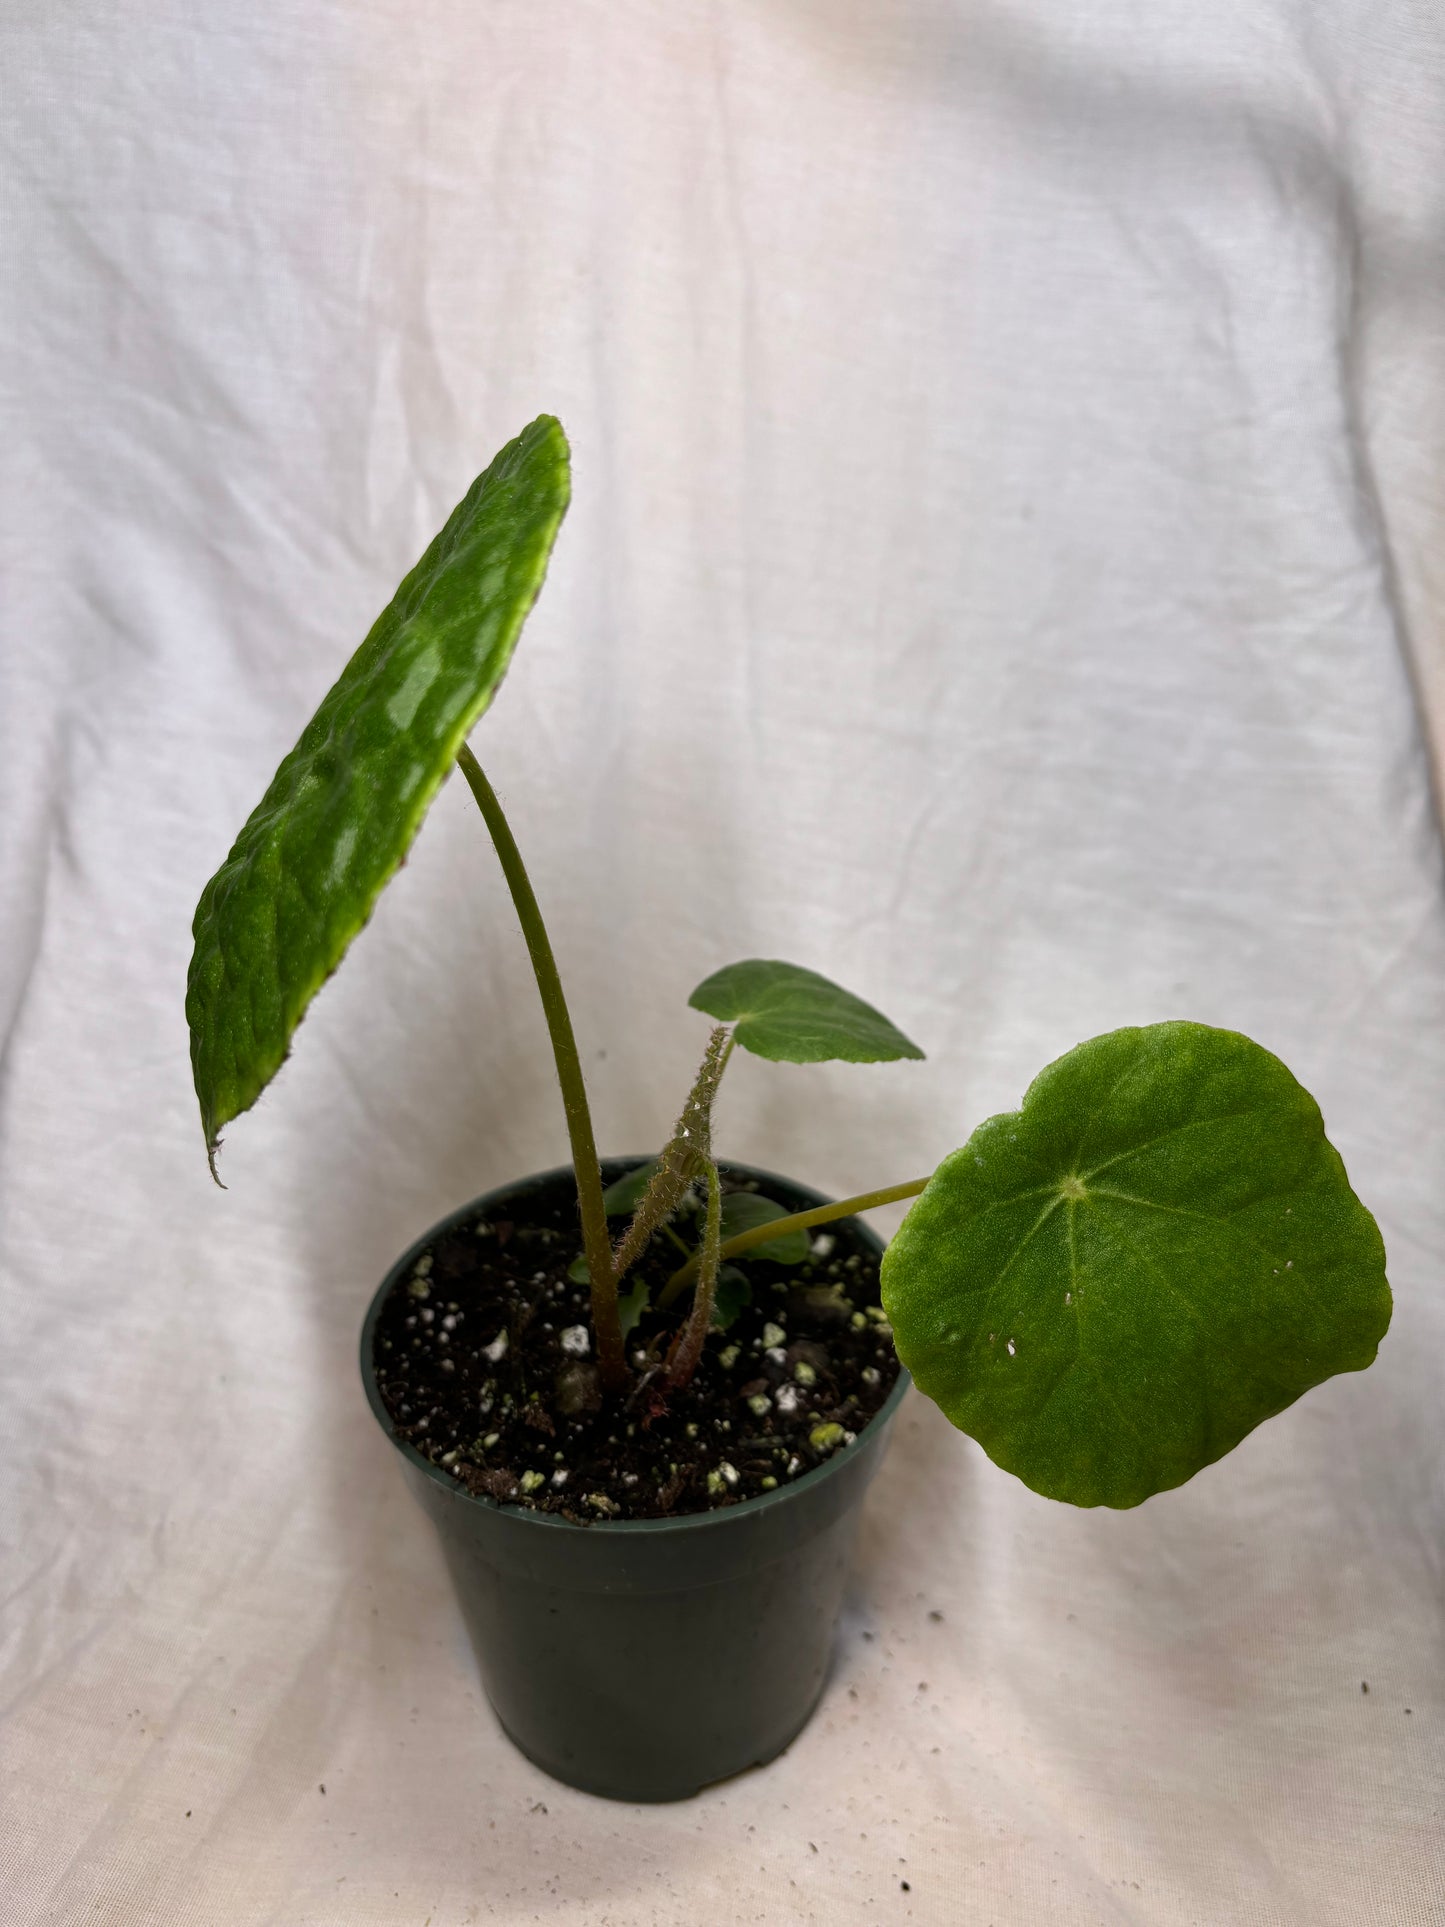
point(1175, 1130)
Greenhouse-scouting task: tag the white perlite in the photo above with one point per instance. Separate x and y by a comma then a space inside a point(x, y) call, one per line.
point(497, 1350)
point(576, 1341)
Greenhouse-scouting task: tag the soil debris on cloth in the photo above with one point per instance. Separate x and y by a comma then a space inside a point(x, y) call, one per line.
point(484, 1361)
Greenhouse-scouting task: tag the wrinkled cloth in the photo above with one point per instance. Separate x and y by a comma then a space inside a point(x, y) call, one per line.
point(1004, 574)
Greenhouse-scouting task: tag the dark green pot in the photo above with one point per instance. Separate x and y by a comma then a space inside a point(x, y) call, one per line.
point(643, 1659)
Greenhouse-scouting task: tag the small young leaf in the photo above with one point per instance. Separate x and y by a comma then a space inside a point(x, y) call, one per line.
point(631, 1304)
point(733, 1293)
point(626, 1194)
point(343, 808)
point(794, 1016)
point(579, 1271)
point(1111, 1286)
point(745, 1210)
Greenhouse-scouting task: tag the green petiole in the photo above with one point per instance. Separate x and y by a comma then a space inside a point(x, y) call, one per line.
point(779, 1228)
point(595, 1240)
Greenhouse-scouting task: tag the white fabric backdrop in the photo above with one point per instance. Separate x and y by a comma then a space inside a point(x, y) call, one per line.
point(1004, 565)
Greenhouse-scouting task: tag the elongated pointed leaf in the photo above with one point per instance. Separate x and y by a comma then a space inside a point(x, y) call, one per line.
point(341, 812)
point(794, 1016)
point(1111, 1286)
point(745, 1210)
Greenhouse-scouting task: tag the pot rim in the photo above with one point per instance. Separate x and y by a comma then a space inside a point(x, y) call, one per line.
point(719, 1518)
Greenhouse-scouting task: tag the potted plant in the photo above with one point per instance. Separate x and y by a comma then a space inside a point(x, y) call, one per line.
point(642, 1398)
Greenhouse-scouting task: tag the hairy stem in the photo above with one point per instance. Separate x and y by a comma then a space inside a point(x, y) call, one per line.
point(595, 1241)
point(687, 1347)
point(682, 1159)
point(779, 1227)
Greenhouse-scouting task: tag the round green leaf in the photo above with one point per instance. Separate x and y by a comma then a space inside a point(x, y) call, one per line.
point(1111, 1286)
point(794, 1016)
point(341, 812)
point(733, 1293)
point(631, 1304)
point(627, 1193)
point(745, 1211)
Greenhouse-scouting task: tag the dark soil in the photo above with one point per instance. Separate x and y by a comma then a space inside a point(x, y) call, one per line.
point(481, 1365)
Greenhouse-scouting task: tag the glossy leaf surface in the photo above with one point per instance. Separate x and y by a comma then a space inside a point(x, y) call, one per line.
point(623, 1197)
point(1111, 1286)
point(631, 1304)
point(733, 1293)
point(305, 872)
point(794, 1016)
point(745, 1210)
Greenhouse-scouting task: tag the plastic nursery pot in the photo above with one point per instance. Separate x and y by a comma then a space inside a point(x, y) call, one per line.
point(642, 1659)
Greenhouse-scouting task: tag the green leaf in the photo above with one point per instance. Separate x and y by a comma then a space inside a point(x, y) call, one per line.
point(745, 1211)
point(305, 872)
point(732, 1294)
point(1111, 1286)
point(579, 1271)
point(794, 1016)
point(626, 1194)
point(631, 1304)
